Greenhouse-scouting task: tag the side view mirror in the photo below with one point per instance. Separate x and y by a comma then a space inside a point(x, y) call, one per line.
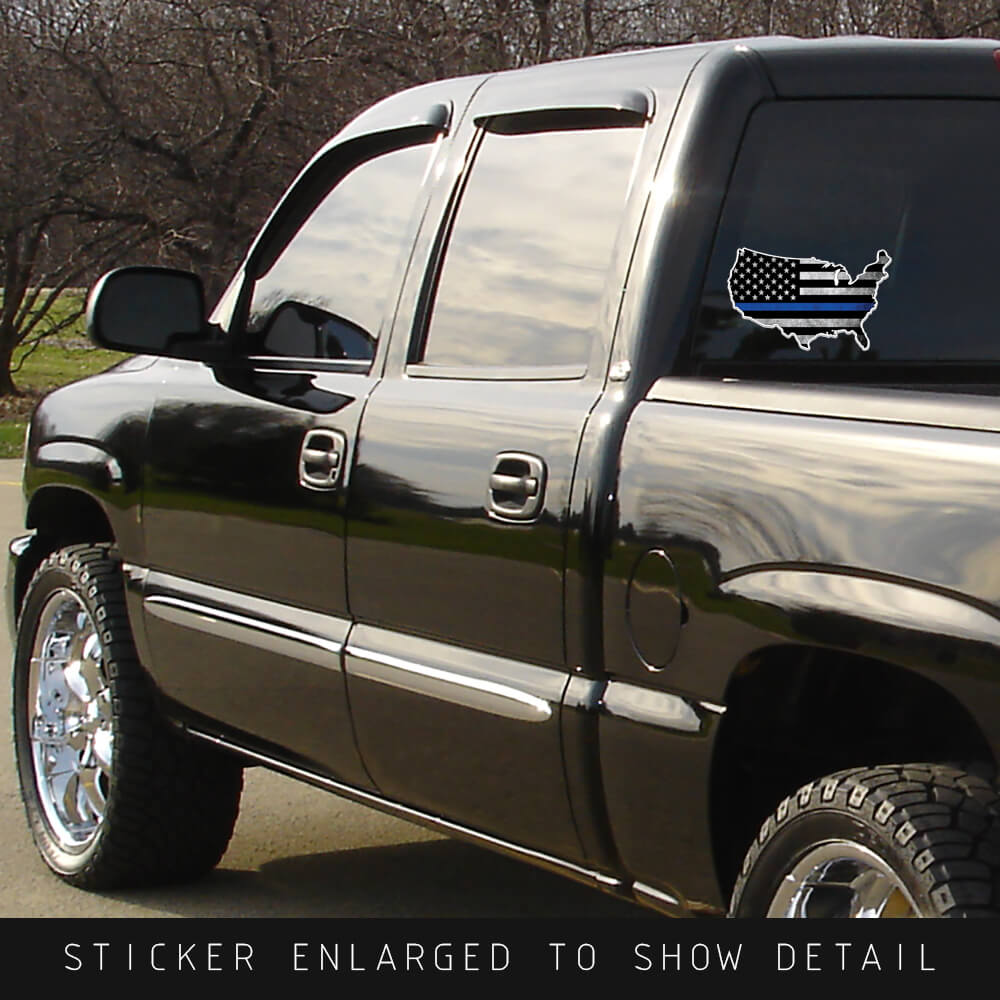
point(150, 310)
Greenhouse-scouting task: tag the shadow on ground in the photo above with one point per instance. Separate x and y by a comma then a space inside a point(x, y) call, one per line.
point(430, 879)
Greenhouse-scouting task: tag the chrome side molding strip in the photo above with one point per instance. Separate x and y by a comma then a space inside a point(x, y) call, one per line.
point(237, 616)
point(472, 692)
point(218, 622)
point(657, 897)
point(607, 882)
point(651, 707)
point(710, 706)
point(479, 681)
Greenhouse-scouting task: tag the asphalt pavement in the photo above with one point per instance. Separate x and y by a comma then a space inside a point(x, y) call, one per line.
point(296, 852)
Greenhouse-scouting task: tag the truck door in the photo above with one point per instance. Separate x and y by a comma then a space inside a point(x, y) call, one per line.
point(245, 607)
point(458, 517)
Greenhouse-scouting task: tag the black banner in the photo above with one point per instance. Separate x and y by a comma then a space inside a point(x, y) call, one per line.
point(365, 952)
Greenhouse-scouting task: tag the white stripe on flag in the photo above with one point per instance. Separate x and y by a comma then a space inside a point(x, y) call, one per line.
point(823, 275)
point(844, 276)
point(842, 290)
point(795, 322)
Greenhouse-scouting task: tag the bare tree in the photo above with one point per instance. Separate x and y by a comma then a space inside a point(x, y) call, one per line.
point(164, 129)
point(51, 235)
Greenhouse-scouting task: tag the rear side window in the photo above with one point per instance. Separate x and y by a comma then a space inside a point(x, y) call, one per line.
point(858, 237)
point(326, 294)
point(527, 261)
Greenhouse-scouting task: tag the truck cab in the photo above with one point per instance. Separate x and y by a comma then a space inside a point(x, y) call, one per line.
point(499, 492)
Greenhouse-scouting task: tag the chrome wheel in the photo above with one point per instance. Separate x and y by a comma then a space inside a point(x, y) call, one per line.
point(889, 840)
point(70, 725)
point(114, 795)
point(842, 879)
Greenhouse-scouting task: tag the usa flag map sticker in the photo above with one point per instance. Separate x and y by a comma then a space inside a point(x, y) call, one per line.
point(805, 298)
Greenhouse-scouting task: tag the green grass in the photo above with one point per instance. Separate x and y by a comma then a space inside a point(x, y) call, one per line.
point(64, 357)
point(60, 360)
point(11, 438)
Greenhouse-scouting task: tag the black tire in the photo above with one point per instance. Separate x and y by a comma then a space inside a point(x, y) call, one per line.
point(896, 840)
point(114, 796)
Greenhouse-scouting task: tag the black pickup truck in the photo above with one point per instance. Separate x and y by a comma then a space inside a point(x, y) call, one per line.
point(596, 461)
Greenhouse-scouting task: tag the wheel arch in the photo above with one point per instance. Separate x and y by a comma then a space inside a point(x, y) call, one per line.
point(59, 515)
point(795, 712)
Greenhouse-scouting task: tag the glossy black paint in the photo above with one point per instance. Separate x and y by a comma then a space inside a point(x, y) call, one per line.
point(642, 763)
point(228, 502)
point(654, 610)
point(425, 558)
point(424, 555)
point(447, 730)
point(675, 238)
point(222, 500)
point(293, 694)
point(910, 506)
point(103, 421)
point(861, 67)
point(223, 505)
point(871, 538)
point(489, 673)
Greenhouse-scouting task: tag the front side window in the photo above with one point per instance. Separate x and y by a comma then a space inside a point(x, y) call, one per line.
point(326, 294)
point(526, 264)
point(857, 236)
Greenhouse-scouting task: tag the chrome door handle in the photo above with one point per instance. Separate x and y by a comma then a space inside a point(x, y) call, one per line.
point(523, 485)
point(517, 487)
point(321, 459)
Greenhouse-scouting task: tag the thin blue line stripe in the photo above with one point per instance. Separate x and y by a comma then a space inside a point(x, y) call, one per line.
point(820, 307)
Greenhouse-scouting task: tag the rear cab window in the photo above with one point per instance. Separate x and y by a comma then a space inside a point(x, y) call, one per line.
point(857, 243)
